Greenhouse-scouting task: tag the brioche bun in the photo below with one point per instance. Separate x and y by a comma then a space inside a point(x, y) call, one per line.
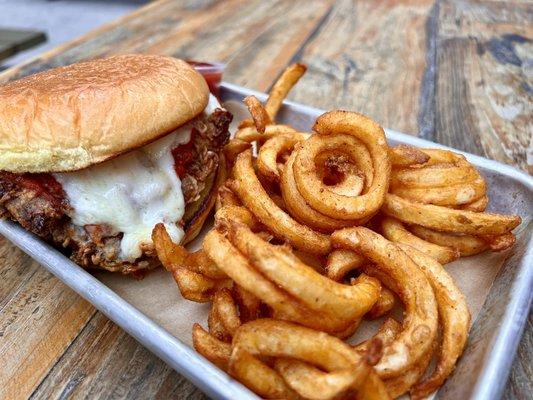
point(71, 117)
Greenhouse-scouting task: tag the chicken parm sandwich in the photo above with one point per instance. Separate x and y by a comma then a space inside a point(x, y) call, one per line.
point(95, 154)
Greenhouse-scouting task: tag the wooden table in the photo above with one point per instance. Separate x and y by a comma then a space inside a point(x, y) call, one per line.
point(452, 72)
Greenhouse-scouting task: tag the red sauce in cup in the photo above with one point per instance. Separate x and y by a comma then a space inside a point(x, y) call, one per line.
point(212, 73)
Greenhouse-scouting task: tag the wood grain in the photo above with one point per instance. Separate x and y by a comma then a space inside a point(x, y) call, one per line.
point(105, 362)
point(39, 318)
point(259, 46)
point(37, 324)
point(368, 56)
point(452, 71)
point(483, 94)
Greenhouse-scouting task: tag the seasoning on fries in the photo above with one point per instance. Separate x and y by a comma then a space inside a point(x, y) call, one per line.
point(378, 221)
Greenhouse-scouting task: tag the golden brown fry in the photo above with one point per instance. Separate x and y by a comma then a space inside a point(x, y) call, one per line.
point(197, 287)
point(267, 159)
point(344, 303)
point(384, 304)
point(478, 205)
point(233, 148)
point(168, 252)
point(226, 311)
point(250, 134)
point(243, 274)
point(401, 384)
point(226, 197)
point(245, 123)
point(386, 333)
point(467, 245)
point(238, 214)
point(396, 270)
point(314, 384)
point(257, 200)
point(299, 209)
point(500, 242)
point(267, 337)
point(431, 176)
point(452, 195)
point(402, 156)
point(215, 327)
point(173, 256)
point(258, 113)
point(258, 376)
point(448, 220)
point(454, 317)
point(249, 305)
point(340, 262)
point(446, 179)
point(211, 348)
point(374, 388)
point(349, 331)
point(395, 231)
point(198, 278)
point(332, 204)
point(281, 88)
point(439, 156)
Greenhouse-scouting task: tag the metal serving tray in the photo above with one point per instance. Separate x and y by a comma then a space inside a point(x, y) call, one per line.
point(483, 369)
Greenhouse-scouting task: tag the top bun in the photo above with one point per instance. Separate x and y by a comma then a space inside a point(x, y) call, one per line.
point(71, 117)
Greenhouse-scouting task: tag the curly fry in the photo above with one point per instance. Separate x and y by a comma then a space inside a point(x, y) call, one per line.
point(396, 270)
point(396, 232)
point(447, 219)
point(258, 113)
point(454, 316)
point(333, 204)
point(281, 88)
point(256, 199)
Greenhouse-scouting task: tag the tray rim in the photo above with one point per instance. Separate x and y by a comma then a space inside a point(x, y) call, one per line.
point(216, 383)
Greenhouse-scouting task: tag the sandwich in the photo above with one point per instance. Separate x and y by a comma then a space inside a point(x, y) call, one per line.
point(95, 154)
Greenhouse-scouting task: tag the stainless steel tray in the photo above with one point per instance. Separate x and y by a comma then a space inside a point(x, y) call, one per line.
point(482, 371)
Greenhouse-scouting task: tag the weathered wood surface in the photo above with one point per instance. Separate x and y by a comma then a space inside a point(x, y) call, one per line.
point(456, 72)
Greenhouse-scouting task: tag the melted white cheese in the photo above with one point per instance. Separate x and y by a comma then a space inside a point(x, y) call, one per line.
point(132, 192)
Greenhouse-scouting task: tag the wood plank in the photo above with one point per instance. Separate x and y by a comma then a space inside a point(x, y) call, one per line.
point(369, 57)
point(39, 317)
point(16, 269)
point(210, 32)
point(243, 35)
point(105, 362)
point(36, 325)
point(483, 94)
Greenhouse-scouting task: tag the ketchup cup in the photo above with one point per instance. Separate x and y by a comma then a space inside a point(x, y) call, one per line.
point(212, 72)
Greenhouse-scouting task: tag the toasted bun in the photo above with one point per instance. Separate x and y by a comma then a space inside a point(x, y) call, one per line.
point(71, 117)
